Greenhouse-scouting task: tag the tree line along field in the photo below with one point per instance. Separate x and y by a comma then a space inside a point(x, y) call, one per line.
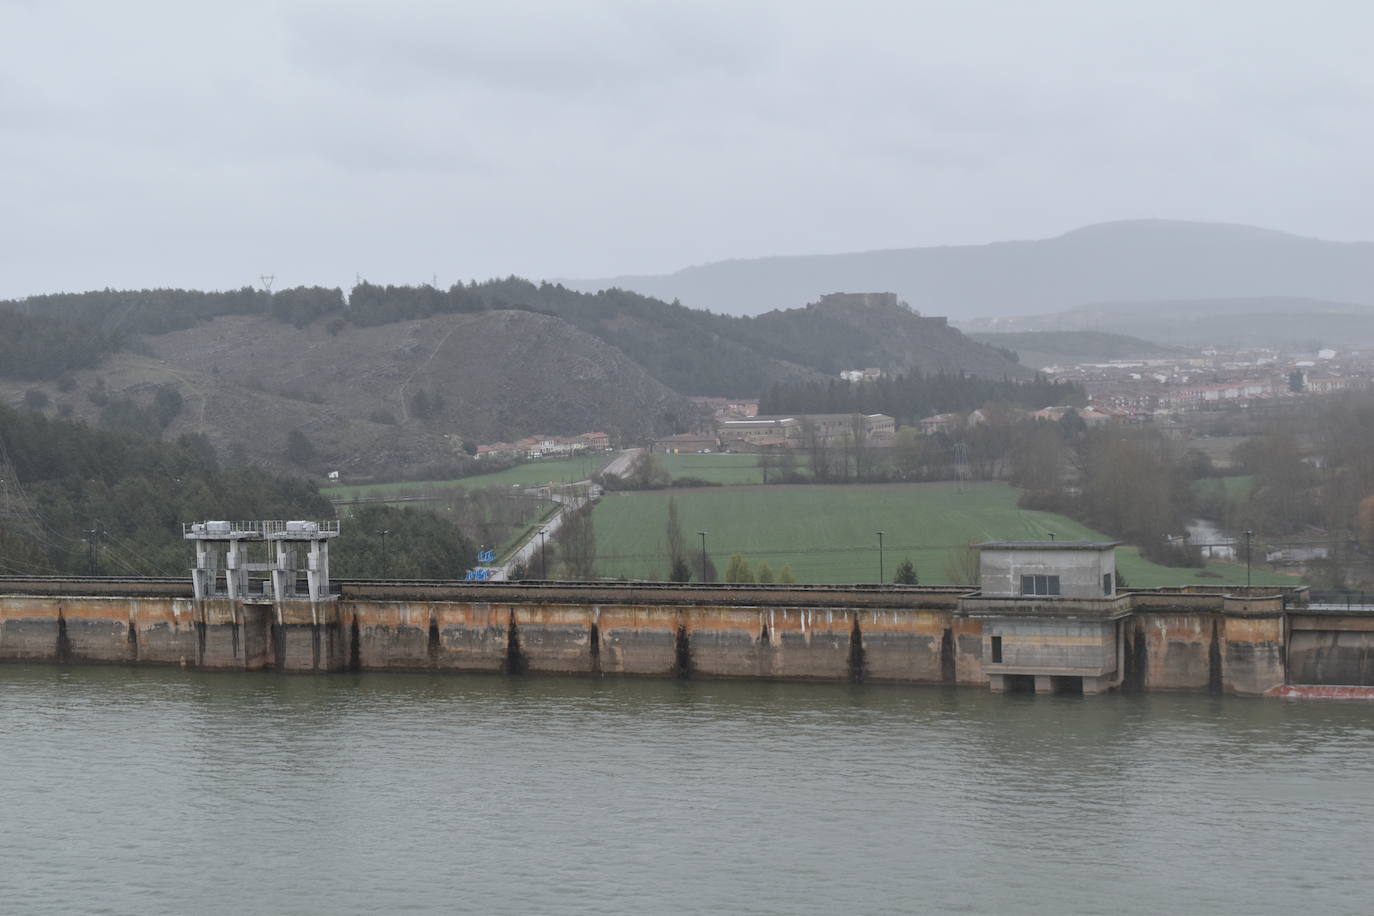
point(531, 474)
point(829, 533)
point(717, 467)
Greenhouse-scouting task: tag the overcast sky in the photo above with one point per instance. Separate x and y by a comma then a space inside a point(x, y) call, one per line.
point(197, 144)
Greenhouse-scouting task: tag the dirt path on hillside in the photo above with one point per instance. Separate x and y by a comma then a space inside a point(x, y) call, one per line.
point(196, 390)
point(401, 390)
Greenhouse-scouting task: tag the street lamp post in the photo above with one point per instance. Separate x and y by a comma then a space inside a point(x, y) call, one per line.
point(1248, 535)
point(880, 558)
point(703, 555)
point(543, 554)
point(386, 568)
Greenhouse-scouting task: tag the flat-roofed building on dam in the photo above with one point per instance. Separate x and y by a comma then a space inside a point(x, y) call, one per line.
point(1050, 615)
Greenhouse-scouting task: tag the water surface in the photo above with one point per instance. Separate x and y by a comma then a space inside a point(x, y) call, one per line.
point(165, 791)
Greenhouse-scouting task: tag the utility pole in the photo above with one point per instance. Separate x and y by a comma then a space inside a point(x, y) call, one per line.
point(703, 555)
point(386, 567)
point(880, 558)
point(92, 535)
point(1248, 535)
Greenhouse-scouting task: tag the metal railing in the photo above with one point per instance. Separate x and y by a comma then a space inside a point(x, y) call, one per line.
point(258, 529)
point(1333, 599)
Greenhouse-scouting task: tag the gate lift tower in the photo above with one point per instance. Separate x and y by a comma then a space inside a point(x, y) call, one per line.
point(223, 570)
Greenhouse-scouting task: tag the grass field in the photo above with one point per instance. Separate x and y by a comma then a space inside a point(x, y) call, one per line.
point(533, 474)
point(1238, 487)
point(716, 467)
point(829, 533)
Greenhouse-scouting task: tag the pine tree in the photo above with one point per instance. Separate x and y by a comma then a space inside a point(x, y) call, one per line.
point(906, 573)
point(785, 575)
point(765, 574)
point(678, 568)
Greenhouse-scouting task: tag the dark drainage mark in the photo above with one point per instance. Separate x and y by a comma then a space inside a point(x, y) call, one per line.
point(856, 653)
point(1214, 662)
point(682, 650)
point(64, 642)
point(947, 669)
point(355, 661)
point(515, 658)
point(279, 645)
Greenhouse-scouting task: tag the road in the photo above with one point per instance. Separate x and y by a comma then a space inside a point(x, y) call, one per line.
point(528, 553)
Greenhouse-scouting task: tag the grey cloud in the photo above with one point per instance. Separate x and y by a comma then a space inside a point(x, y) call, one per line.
point(153, 140)
point(554, 48)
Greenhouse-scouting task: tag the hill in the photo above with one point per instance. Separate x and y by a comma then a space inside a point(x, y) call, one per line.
point(692, 351)
point(1276, 321)
point(1051, 348)
point(1108, 262)
point(883, 332)
point(371, 400)
point(401, 377)
point(698, 352)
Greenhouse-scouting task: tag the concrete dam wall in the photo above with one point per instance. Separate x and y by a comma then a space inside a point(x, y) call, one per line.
point(1164, 639)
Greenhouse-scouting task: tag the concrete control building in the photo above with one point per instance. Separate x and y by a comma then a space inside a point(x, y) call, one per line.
point(1050, 615)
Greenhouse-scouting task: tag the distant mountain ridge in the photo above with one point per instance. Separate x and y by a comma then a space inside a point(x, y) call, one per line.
point(1146, 260)
point(1290, 323)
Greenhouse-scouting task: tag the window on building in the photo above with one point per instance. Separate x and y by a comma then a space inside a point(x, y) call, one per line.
point(1107, 584)
point(997, 650)
point(1040, 585)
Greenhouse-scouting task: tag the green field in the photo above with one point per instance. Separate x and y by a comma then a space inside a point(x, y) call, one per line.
point(1238, 487)
point(532, 474)
point(717, 467)
point(829, 533)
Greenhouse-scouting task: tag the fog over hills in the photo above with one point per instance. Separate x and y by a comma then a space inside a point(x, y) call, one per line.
point(1133, 260)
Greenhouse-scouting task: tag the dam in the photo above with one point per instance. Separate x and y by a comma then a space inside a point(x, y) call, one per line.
point(1047, 617)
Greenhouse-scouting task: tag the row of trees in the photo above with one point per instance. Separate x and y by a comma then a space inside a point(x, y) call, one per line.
point(739, 570)
point(1312, 475)
point(1131, 482)
point(910, 397)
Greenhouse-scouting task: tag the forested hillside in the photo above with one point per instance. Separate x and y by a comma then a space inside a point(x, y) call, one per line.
point(77, 500)
point(62, 480)
point(692, 351)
